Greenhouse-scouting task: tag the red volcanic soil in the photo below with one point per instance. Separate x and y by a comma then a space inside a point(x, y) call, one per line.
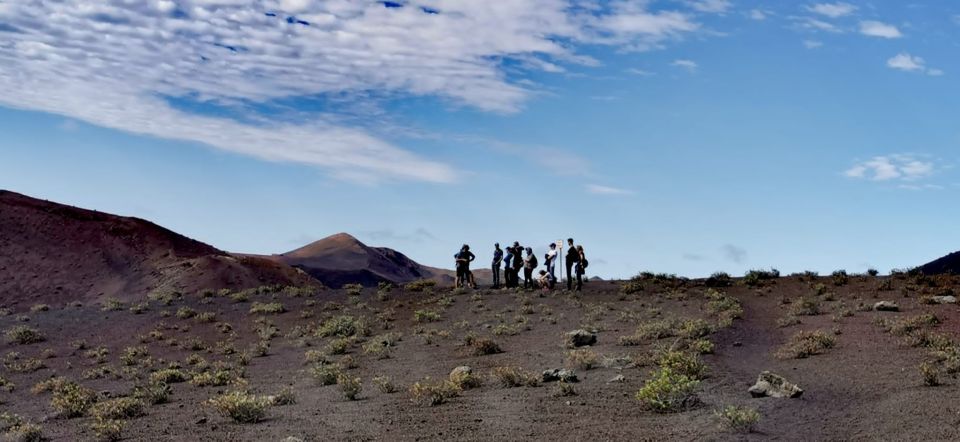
point(867, 387)
point(52, 253)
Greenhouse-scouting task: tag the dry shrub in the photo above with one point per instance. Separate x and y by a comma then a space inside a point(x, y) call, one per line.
point(805, 344)
point(511, 377)
point(433, 393)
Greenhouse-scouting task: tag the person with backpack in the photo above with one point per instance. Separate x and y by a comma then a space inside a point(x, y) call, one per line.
point(529, 265)
point(497, 260)
point(581, 267)
point(573, 257)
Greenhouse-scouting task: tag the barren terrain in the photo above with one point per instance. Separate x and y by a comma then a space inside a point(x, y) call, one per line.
point(867, 385)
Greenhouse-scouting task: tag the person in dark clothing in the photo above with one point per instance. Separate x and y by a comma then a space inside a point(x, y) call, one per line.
point(581, 267)
point(529, 265)
point(517, 263)
point(573, 257)
point(497, 260)
point(508, 267)
point(464, 258)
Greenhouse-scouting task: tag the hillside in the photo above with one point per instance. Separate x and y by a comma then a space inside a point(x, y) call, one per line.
point(946, 264)
point(58, 253)
point(341, 259)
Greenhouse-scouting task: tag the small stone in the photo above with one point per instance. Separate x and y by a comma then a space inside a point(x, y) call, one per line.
point(559, 374)
point(200, 421)
point(617, 378)
point(947, 299)
point(580, 338)
point(773, 385)
point(886, 306)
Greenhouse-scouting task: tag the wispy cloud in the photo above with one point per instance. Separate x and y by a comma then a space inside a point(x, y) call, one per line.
point(898, 167)
point(758, 14)
point(812, 44)
point(879, 29)
point(689, 65)
point(145, 67)
point(734, 253)
point(417, 236)
point(711, 6)
point(640, 72)
point(910, 63)
point(597, 189)
point(832, 10)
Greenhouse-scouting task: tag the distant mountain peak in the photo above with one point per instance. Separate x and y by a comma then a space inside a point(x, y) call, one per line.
point(338, 257)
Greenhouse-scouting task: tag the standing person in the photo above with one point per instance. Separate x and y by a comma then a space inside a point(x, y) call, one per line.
point(581, 267)
point(508, 268)
point(497, 259)
point(464, 258)
point(573, 257)
point(529, 265)
point(517, 263)
point(550, 260)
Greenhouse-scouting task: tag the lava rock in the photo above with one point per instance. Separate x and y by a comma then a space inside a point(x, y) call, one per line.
point(773, 385)
point(886, 306)
point(580, 338)
point(559, 374)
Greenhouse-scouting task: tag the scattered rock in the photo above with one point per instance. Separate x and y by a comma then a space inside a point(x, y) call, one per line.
point(617, 378)
point(773, 385)
point(293, 439)
point(200, 421)
point(559, 374)
point(886, 306)
point(945, 299)
point(580, 338)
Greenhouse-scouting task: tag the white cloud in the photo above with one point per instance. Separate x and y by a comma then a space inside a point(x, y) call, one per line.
point(689, 65)
point(910, 63)
point(758, 14)
point(711, 6)
point(143, 67)
point(812, 44)
point(633, 27)
point(818, 25)
point(898, 167)
point(640, 72)
point(832, 10)
point(879, 29)
point(597, 189)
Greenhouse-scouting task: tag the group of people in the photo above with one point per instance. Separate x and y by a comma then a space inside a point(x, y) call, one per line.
point(516, 257)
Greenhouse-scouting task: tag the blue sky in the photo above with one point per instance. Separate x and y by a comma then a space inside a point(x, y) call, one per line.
point(678, 136)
